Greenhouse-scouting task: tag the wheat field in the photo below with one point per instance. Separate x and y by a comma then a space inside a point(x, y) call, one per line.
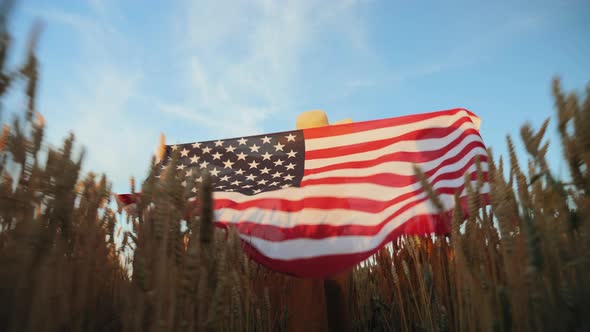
point(66, 263)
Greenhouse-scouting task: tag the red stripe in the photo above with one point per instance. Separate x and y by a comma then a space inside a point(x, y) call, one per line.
point(323, 231)
point(355, 127)
point(351, 203)
point(325, 266)
point(414, 157)
point(415, 135)
point(284, 205)
point(127, 199)
point(392, 179)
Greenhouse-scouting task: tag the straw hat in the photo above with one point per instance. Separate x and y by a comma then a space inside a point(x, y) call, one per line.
point(316, 118)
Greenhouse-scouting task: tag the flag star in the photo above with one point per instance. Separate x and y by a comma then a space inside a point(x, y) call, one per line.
point(183, 183)
point(189, 172)
point(250, 177)
point(219, 143)
point(194, 159)
point(184, 153)
point(242, 141)
point(236, 183)
point(274, 183)
point(264, 170)
point(253, 164)
point(278, 162)
point(290, 166)
point(257, 191)
point(262, 182)
point(196, 145)
point(214, 172)
point(265, 139)
point(290, 138)
point(285, 186)
point(277, 174)
point(291, 154)
point(254, 148)
point(174, 147)
point(240, 172)
point(180, 167)
point(194, 190)
point(241, 156)
point(288, 177)
point(217, 155)
point(228, 163)
point(266, 156)
point(279, 146)
point(204, 164)
point(220, 187)
point(230, 149)
point(206, 149)
point(247, 186)
point(199, 179)
point(164, 167)
point(224, 178)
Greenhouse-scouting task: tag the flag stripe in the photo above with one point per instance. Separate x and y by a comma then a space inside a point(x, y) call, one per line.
point(339, 222)
point(288, 213)
point(374, 192)
point(424, 120)
point(321, 266)
point(451, 160)
point(317, 267)
point(312, 144)
point(292, 200)
point(409, 157)
point(402, 142)
point(274, 233)
point(306, 247)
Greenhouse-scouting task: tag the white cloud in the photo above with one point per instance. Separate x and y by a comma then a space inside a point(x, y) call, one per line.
point(234, 64)
point(98, 89)
point(117, 142)
point(244, 57)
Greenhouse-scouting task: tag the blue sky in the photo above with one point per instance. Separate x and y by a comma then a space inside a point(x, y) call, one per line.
point(118, 73)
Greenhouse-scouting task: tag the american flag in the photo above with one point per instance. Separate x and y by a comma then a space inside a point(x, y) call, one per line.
point(314, 202)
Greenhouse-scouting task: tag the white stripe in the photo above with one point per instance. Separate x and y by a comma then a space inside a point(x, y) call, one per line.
point(309, 216)
point(346, 190)
point(306, 248)
point(385, 133)
point(335, 217)
point(403, 167)
point(423, 145)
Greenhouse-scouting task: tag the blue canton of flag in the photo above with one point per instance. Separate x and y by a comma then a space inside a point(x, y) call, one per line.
point(248, 165)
